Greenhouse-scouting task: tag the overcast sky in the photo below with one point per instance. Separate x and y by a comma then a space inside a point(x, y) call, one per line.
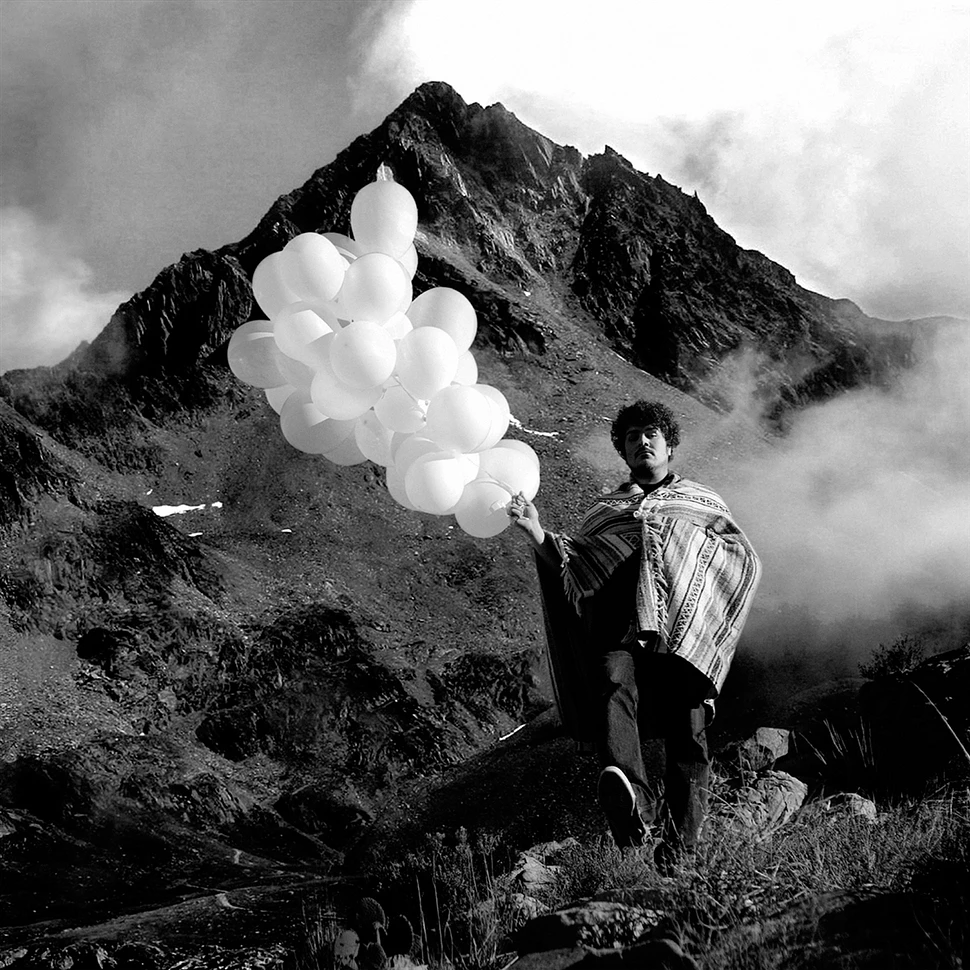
point(832, 137)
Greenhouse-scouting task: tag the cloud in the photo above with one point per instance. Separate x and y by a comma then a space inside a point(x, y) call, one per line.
point(869, 201)
point(862, 513)
point(145, 130)
point(834, 138)
point(47, 304)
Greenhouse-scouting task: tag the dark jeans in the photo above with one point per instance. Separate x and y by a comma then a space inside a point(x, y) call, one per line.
point(646, 695)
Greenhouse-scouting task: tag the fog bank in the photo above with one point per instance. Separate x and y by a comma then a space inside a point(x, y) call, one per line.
point(862, 513)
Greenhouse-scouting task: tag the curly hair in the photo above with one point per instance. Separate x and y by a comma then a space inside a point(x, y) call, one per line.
point(644, 413)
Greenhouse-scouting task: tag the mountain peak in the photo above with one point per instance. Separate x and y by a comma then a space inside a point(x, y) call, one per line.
point(504, 210)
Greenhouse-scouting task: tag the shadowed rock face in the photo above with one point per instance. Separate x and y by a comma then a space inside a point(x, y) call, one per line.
point(238, 694)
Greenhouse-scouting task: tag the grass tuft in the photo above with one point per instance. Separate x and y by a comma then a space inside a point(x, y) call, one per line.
point(737, 904)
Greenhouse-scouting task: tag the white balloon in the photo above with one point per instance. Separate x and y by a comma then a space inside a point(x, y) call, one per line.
point(409, 261)
point(467, 372)
point(427, 360)
point(435, 482)
point(396, 489)
point(449, 310)
point(460, 418)
point(363, 354)
point(374, 287)
point(253, 356)
point(346, 453)
point(373, 439)
point(276, 396)
point(397, 439)
point(471, 464)
point(414, 446)
point(306, 429)
point(297, 325)
point(345, 245)
point(384, 218)
point(269, 289)
point(406, 297)
point(482, 509)
point(295, 372)
point(398, 325)
point(501, 414)
point(520, 446)
point(258, 325)
point(339, 400)
point(311, 267)
point(316, 354)
point(512, 469)
point(400, 411)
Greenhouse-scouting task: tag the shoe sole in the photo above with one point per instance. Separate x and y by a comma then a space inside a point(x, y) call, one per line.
point(619, 801)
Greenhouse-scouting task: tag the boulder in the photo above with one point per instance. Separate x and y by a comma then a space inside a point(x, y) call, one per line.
point(850, 804)
point(756, 753)
point(533, 872)
point(593, 923)
point(660, 954)
point(765, 805)
point(919, 723)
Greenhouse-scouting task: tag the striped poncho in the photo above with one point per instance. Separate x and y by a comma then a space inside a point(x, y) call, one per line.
point(670, 563)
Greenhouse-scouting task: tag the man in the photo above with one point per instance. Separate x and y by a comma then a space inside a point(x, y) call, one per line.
point(644, 606)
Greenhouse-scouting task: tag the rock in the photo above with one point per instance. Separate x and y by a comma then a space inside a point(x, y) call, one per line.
point(758, 752)
point(31, 468)
point(102, 647)
point(560, 959)
point(919, 723)
point(531, 873)
point(594, 923)
point(136, 955)
point(766, 746)
point(335, 815)
point(767, 803)
point(9, 822)
point(523, 908)
point(850, 804)
point(660, 954)
point(532, 876)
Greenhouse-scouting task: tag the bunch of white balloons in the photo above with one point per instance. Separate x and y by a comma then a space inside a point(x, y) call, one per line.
point(359, 371)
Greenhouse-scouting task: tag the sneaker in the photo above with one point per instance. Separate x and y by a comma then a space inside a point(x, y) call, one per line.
point(619, 801)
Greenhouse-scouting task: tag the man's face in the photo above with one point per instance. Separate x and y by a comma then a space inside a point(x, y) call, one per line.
point(646, 452)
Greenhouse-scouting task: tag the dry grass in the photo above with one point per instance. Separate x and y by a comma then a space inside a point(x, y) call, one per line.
point(728, 904)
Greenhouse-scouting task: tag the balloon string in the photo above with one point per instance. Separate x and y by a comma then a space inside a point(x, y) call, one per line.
point(500, 503)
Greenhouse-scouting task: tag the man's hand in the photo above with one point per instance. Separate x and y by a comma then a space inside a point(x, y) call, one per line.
point(525, 516)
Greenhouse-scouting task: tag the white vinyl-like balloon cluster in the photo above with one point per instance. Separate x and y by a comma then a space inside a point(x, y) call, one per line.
point(359, 371)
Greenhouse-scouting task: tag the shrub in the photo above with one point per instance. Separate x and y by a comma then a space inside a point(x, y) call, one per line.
point(900, 657)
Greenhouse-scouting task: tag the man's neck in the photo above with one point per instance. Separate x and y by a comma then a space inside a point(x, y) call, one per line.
point(648, 481)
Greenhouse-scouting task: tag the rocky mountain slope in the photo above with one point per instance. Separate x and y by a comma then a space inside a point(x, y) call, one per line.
point(228, 697)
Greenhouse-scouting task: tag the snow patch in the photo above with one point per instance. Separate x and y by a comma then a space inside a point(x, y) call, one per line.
point(166, 510)
point(516, 423)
